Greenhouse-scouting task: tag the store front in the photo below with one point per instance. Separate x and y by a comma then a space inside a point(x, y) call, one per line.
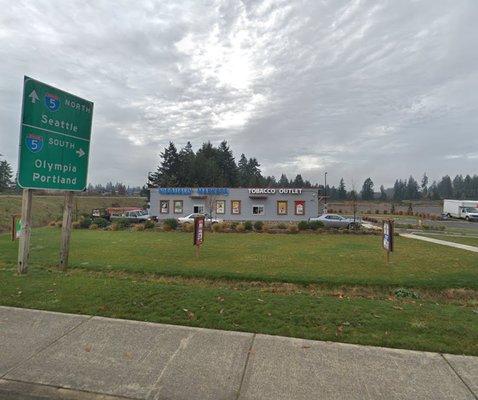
point(236, 204)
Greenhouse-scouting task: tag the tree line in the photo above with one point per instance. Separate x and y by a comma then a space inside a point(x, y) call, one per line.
point(214, 166)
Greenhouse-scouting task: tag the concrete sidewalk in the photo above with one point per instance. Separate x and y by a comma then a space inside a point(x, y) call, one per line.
point(443, 242)
point(45, 355)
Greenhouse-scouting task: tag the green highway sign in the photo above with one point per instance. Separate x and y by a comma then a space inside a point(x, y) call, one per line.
point(54, 138)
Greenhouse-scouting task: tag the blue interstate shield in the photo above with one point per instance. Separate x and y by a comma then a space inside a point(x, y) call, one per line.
point(52, 102)
point(34, 143)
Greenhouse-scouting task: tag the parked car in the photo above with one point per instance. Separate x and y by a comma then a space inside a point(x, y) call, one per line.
point(189, 219)
point(443, 217)
point(134, 216)
point(336, 221)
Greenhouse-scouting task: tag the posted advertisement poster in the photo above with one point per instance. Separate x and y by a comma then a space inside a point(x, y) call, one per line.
point(198, 231)
point(388, 235)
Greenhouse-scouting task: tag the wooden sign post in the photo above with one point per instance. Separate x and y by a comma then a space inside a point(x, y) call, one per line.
point(198, 233)
point(387, 238)
point(24, 244)
point(66, 230)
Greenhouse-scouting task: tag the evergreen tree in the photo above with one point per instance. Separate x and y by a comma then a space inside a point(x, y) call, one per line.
point(445, 188)
point(186, 174)
point(298, 181)
point(270, 181)
point(283, 181)
point(433, 191)
point(6, 175)
point(145, 192)
point(120, 189)
point(458, 187)
point(254, 172)
point(399, 190)
point(227, 165)
point(109, 188)
point(383, 194)
point(468, 187)
point(342, 192)
point(167, 174)
point(207, 170)
point(367, 189)
point(424, 186)
point(412, 189)
point(242, 169)
point(332, 193)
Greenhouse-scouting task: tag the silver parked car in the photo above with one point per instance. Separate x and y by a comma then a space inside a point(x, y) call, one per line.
point(336, 221)
point(189, 219)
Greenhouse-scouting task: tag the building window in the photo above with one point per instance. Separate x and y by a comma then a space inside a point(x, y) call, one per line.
point(220, 206)
point(299, 207)
point(258, 210)
point(282, 207)
point(164, 206)
point(198, 209)
point(178, 206)
point(235, 207)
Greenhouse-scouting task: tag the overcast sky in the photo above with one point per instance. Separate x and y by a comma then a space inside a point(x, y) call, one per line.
point(356, 88)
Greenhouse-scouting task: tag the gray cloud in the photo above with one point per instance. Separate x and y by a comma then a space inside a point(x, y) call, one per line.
point(357, 88)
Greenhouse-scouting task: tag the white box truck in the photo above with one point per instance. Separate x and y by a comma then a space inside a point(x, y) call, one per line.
point(464, 209)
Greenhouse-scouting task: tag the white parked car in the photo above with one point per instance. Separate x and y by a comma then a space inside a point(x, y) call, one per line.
point(133, 216)
point(189, 219)
point(336, 221)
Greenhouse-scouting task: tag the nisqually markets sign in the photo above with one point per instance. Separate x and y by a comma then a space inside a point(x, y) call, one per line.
point(224, 191)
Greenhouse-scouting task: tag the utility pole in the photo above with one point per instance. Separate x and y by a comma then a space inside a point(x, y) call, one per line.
point(325, 192)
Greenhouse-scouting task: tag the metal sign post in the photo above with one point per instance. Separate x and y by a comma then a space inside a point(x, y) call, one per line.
point(387, 238)
point(53, 152)
point(198, 237)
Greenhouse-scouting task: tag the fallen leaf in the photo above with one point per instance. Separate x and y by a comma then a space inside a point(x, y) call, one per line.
point(88, 348)
point(306, 347)
point(262, 301)
point(189, 313)
point(128, 354)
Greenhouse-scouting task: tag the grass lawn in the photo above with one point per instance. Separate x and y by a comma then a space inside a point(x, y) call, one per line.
point(389, 322)
point(472, 241)
point(327, 287)
point(302, 258)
